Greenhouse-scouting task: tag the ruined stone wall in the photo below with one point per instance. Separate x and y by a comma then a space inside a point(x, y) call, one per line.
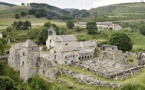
point(88, 79)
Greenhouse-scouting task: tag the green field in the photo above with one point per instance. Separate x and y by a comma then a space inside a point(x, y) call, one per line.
point(36, 22)
point(128, 11)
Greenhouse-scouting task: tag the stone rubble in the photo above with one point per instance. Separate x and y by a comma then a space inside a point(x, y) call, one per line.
point(88, 79)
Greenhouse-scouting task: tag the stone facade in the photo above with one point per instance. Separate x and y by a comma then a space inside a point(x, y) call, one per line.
point(66, 49)
point(102, 25)
point(104, 60)
point(26, 58)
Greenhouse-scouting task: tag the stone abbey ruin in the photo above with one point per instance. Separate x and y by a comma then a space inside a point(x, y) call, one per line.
point(62, 51)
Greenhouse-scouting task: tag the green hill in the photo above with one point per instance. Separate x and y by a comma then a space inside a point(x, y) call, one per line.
point(9, 12)
point(126, 11)
point(7, 4)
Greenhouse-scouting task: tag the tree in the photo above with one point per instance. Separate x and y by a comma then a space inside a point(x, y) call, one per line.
point(6, 83)
point(92, 28)
point(122, 41)
point(42, 36)
point(1, 66)
point(142, 30)
point(22, 25)
point(17, 16)
point(22, 3)
point(23, 13)
point(47, 24)
point(1, 48)
point(39, 84)
point(26, 25)
point(70, 24)
point(78, 29)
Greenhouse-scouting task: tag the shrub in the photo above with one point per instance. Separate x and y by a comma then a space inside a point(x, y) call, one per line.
point(122, 41)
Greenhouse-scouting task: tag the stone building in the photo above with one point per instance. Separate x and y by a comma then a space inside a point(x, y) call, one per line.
point(102, 25)
point(66, 49)
point(26, 58)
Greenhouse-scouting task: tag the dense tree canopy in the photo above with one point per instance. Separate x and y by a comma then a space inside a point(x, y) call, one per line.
point(43, 35)
point(142, 30)
point(1, 48)
point(17, 16)
point(47, 24)
point(92, 28)
point(121, 40)
point(70, 24)
point(6, 83)
point(22, 25)
point(39, 84)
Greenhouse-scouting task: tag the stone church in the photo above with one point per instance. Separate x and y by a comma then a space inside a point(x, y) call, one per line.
point(66, 49)
point(28, 59)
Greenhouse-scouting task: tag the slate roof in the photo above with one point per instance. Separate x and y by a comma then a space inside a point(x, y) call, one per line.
point(82, 23)
point(104, 23)
point(65, 47)
point(88, 43)
point(75, 45)
point(29, 43)
point(17, 46)
point(66, 38)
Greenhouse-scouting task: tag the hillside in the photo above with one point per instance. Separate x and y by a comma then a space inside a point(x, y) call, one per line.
point(7, 4)
point(126, 11)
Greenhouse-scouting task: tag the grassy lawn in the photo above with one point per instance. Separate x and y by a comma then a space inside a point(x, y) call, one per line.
point(36, 22)
point(79, 86)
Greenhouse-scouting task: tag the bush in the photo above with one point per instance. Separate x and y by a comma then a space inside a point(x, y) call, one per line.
point(17, 16)
point(42, 36)
point(92, 28)
point(133, 87)
point(47, 24)
point(78, 29)
point(59, 87)
point(70, 24)
point(1, 48)
point(39, 84)
point(122, 41)
point(6, 83)
point(142, 30)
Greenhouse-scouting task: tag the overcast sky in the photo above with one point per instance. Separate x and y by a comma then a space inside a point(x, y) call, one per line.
point(80, 4)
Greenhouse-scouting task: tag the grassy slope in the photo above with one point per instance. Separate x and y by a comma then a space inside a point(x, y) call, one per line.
point(9, 12)
point(122, 11)
point(136, 37)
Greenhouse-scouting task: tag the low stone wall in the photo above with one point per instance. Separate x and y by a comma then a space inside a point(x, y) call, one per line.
point(111, 72)
point(88, 79)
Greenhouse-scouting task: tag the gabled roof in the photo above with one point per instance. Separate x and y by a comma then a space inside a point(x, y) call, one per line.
point(29, 43)
point(88, 43)
point(104, 23)
point(17, 46)
point(66, 38)
point(65, 47)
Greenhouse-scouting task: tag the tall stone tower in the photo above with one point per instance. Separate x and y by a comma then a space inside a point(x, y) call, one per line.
point(29, 59)
point(50, 42)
